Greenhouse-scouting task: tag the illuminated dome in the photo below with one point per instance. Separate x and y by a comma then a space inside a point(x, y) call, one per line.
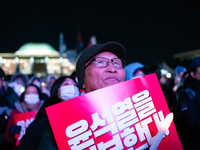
point(37, 49)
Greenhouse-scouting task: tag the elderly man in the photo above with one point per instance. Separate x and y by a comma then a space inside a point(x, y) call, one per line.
point(98, 66)
point(101, 65)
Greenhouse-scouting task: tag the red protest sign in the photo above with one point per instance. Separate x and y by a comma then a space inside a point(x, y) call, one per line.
point(122, 116)
point(23, 120)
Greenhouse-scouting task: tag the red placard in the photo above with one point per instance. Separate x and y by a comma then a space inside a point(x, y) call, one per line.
point(23, 120)
point(122, 116)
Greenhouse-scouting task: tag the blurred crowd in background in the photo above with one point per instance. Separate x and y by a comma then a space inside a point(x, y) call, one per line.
point(23, 93)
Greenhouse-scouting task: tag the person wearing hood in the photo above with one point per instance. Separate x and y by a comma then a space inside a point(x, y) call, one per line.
point(51, 78)
point(15, 87)
point(135, 70)
point(30, 100)
point(38, 82)
point(18, 82)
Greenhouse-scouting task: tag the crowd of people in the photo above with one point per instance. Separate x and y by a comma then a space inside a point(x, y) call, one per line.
point(21, 95)
point(98, 66)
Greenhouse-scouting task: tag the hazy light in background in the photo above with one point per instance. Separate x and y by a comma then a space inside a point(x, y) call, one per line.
point(31, 60)
point(16, 60)
point(39, 75)
point(71, 67)
point(1, 60)
point(22, 89)
point(60, 59)
point(168, 75)
point(163, 71)
point(46, 59)
point(44, 84)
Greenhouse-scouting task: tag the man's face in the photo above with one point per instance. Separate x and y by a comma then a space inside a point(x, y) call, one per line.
point(197, 74)
point(139, 73)
point(97, 77)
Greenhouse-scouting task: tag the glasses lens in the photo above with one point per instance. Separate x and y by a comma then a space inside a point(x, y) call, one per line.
point(118, 63)
point(101, 62)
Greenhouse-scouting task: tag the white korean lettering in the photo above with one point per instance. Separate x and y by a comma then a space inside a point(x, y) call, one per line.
point(23, 128)
point(116, 141)
point(146, 110)
point(93, 147)
point(97, 121)
point(127, 131)
point(130, 140)
point(144, 104)
point(120, 107)
point(107, 114)
point(140, 96)
point(75, 142)
point(29, 121)
point(143, 129)
point(111, 127)
point(76, 128)
point(126, 119)
point(138, 104)
point(24, 125)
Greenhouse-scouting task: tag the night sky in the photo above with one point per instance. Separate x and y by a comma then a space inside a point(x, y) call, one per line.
point(151, 31)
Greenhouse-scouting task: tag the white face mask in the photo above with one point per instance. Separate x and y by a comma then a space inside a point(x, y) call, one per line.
point(68, 92)
point(18, 88)
point(31, 99)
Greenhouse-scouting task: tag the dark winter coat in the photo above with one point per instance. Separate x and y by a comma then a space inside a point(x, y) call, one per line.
point(188, 119)
point(48, 141)
point(9, 98)
point(35, 130)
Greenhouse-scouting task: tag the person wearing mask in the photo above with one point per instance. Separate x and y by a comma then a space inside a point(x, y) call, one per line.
point(38, 82)
point(135, 70)
point(15, 87)
point(64, 88)
point(98, 66)
point(18, 82)
point(188, 117)
point(30, 100)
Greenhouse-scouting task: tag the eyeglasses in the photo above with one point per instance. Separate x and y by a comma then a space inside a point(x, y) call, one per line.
point(103, 62)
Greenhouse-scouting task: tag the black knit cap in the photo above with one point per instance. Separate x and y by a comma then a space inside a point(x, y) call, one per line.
point(88, 53)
